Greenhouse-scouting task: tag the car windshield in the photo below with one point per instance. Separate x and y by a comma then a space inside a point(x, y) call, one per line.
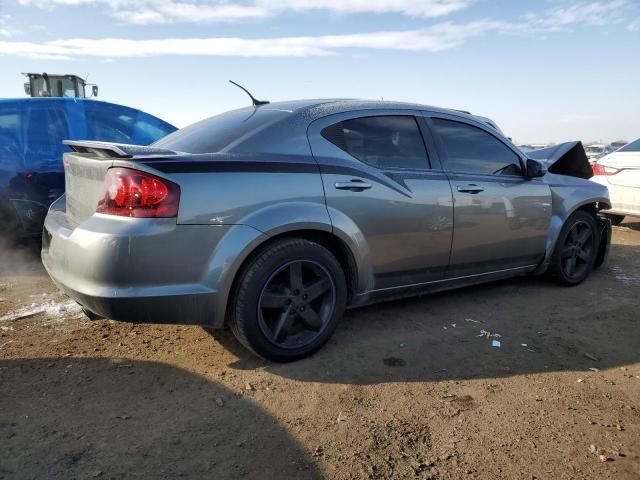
point(631, 147)
point(214, 134)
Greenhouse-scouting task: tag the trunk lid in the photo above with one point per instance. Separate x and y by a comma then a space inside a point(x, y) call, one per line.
point(83, 177)
point(85, 169)
point(629, 165)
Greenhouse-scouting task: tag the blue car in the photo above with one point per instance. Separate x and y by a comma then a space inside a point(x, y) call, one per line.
point(31, 135)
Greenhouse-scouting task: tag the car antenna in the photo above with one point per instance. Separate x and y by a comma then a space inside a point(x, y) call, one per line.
point(256, 103)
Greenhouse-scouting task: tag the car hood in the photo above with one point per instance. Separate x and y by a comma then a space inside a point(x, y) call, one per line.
point(567, 158)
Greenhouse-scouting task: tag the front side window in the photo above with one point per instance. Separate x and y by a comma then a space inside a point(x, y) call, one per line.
point(390, 141)
point(472, 150)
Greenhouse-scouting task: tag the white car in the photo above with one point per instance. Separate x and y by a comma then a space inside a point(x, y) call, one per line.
point(620, 173)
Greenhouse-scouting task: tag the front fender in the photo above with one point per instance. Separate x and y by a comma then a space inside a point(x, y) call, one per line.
point(569, 194)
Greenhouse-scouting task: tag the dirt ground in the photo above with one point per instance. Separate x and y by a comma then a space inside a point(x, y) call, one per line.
point(407, 389)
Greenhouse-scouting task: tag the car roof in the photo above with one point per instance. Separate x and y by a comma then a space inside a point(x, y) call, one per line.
point(317, 108)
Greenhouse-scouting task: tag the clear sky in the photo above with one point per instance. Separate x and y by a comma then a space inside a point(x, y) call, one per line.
point(543, 70)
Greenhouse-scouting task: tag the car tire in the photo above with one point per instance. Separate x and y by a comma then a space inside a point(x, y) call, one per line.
point(288, 300)
point(576, 249)
point(615, 219)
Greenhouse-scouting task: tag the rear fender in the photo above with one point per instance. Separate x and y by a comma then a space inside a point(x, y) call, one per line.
point(256, 229)
point(294, 216)
point(284, 217)
point(230, 252)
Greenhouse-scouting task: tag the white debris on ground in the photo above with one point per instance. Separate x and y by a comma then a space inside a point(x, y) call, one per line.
point(489, 334)
point(51, 309)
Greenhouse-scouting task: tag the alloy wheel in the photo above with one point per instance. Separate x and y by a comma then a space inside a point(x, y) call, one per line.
point(296, 304)
point(577, 251)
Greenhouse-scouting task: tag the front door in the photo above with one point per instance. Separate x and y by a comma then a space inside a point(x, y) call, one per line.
point(380, 185)
point(501, 217)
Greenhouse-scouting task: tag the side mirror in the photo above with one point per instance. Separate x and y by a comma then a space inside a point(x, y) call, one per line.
point(535, 168)
point(94, 90)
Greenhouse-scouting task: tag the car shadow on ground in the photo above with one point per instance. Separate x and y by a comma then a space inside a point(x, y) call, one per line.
point(98, 418)
point(542, 327)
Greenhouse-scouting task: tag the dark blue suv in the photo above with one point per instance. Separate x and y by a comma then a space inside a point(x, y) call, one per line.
point(31, 134)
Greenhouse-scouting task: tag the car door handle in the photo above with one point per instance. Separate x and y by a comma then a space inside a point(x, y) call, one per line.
point(471, 188)
point(353, 185)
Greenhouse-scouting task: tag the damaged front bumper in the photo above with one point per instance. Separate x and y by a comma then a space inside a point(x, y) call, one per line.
point(604, 226)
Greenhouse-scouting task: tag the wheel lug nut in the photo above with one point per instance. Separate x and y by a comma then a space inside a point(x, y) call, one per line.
point(305, 296)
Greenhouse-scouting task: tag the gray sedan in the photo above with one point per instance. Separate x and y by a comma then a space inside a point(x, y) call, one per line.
point(275, 218)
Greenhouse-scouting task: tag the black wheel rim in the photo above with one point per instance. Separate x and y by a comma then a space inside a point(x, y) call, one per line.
point(577, 250)
point(296, 304)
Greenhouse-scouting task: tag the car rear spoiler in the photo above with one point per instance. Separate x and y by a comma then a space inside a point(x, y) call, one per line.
point(567, 158)
point(115, 150)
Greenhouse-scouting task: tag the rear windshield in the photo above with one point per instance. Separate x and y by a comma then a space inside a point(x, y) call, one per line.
point(631, 147)
point(215, 133)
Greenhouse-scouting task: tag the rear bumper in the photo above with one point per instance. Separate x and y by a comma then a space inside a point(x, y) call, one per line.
point(144, 270)
point(625, 200)
point(182, 309)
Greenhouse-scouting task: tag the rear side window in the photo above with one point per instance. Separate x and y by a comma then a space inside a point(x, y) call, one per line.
point(472, 150)
point(390, 141)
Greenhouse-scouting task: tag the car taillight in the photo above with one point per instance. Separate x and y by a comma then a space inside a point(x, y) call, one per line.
point(604, 170)
point(132, 193)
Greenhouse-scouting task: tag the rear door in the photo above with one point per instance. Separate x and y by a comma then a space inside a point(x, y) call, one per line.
point(380, 181)
point(501, 217)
